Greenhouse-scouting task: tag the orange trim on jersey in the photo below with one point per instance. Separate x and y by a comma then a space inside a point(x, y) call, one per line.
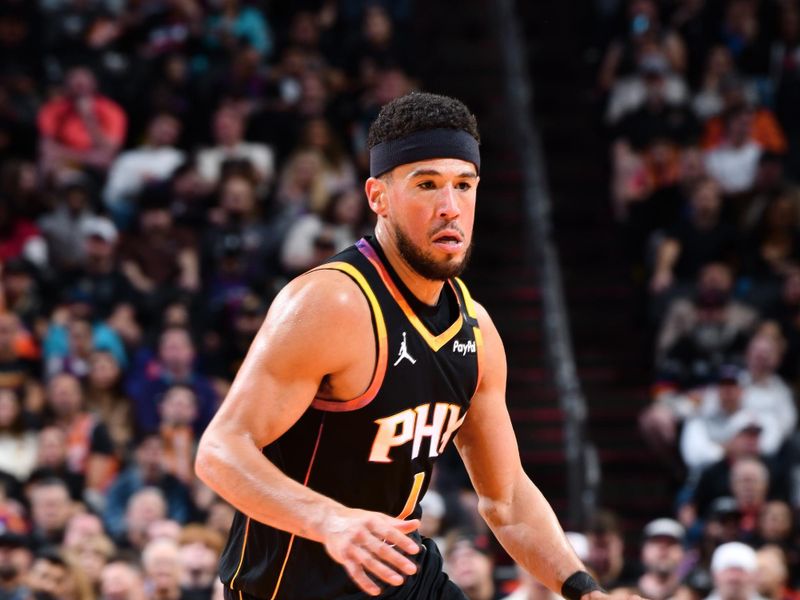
point(241, 558)
point(469, 303)
point(305, 483)
point(413, 496)
point(434, 341)
point(380, 333)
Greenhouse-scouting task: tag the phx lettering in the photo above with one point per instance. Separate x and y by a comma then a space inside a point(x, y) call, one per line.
point(412, 424)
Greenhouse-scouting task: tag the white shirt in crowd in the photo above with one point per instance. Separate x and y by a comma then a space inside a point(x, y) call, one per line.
point(134, 169)
point(734, 168)
point(773, 398)
point(209, 160)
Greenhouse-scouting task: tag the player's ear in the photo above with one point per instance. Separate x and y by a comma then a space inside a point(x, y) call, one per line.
point(376, 191)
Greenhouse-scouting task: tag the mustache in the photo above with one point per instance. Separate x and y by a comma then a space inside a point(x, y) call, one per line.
point(443, 227)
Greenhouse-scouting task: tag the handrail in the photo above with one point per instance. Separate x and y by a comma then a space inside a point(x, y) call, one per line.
point(583, 472)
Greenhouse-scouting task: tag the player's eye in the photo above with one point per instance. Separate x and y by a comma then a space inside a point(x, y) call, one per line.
point(463, 186)
point(426, 185)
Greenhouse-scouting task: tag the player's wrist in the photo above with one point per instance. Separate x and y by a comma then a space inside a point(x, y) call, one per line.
point(578, 585)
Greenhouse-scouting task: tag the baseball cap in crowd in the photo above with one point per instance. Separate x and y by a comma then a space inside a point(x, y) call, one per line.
point(728, 374)
point(741, 422)
point(102, 228)
point(724, 506)
point(12, 537)
point(664, 528)
point(734, 555)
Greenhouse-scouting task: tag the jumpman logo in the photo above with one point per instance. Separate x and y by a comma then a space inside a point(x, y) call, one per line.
point(404, 353)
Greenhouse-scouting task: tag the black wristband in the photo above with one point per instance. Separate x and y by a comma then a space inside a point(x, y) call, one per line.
point(578, 584)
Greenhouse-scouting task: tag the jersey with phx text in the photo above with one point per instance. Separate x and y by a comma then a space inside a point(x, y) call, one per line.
point(374, 452)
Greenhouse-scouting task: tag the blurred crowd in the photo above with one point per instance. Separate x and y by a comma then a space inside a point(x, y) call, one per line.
point(702, 110)
point(165, 167)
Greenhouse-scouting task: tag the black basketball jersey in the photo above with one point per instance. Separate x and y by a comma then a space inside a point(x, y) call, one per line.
point(373, 452)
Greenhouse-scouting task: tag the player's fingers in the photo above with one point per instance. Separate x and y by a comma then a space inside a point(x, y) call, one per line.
point(394, 536)
point(359, 576)
point(392, 557)
point(407, 526)
point(382, 571)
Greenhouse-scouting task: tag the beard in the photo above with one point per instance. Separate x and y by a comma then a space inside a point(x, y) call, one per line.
point(425, 264)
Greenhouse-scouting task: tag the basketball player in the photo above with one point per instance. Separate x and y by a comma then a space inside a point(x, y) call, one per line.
point(363, 371)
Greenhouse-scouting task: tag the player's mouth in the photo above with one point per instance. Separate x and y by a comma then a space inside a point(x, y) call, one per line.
point(449, 240)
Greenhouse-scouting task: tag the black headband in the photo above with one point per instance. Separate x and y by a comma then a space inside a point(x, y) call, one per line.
point(422, 145)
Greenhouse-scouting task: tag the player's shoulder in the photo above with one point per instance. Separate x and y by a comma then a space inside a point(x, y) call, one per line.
point(323, 294)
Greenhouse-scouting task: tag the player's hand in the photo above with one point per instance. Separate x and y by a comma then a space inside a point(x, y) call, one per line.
point(369, 545)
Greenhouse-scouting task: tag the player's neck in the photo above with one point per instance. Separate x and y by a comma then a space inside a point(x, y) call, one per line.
point(425, 290)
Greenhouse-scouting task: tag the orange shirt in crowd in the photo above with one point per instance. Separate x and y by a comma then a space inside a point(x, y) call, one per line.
point(60, 120)
point(766, 131)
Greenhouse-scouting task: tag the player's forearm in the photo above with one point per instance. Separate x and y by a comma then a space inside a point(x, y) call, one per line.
point(528, 529)
point(234, 467)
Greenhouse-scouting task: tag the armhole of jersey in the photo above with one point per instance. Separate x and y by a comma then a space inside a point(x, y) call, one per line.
point(381, 353)
point(469, 305)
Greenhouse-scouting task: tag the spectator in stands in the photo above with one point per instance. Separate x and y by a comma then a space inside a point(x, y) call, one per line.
point(107, 290)
point(643, 30)
point(18, 370)
point(51, 509)
point(715, 480)
point(302, 186)
point(162, 568)
point(64, 227)
point(733, 567)
point(765, 392)
point(775, 525)
point(200, 549)
point(774, 250)
point(339, 172)
point(134, 170)
point(158, 258)
point(81, 126)
point(121, 581)
point(51, 461)
point(315, 237)
point(701, 333)
point(81, 526)
point(91, 555)
point(229, 127)
point(21, 293)
point(721, 86)
point(720, 414)
point(761, 128)
point(734, 161)
point(530, 589)
point(174, 364)
point(469, 563)
point(786, 78)
point(606, 556)
point(145, 507)
point(662, 558)
point(240, 249)
point(749, 485)
point(148, 471)
point(20, 237)
point(17, 441)
point(772, 575)
point(80, 345)
point(15, 562)
point(234, 25)
point(178, 412)
point(694, 242)
point(49, 575)
point(90, 452)
point(106, 398)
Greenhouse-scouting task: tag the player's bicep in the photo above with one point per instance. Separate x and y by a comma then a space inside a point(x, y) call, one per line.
point(299, 343)
point(486, 440)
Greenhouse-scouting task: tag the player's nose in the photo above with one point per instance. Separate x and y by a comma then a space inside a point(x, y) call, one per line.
point(448, 203)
